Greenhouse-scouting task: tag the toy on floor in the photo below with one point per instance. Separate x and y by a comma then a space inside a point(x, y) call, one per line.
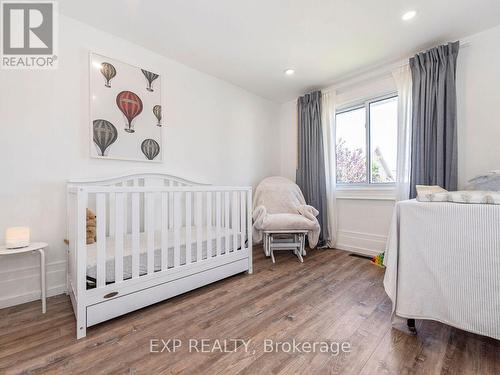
point(378, 260)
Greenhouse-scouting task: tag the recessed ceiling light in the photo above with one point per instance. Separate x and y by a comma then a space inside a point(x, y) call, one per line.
point(289, 72)
point(409, 15)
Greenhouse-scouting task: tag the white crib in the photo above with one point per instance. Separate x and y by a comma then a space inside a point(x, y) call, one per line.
point(157, 236)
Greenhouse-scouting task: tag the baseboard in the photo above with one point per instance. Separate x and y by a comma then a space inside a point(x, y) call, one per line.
point(19, 273)
point(30, 296)
point(362, 243)
point(357, 250)
point(23, 283)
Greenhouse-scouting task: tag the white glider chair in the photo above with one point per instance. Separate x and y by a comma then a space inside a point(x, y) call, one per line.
point(282, 219)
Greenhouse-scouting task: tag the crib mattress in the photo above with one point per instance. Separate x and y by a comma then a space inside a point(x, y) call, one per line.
point(127, 251)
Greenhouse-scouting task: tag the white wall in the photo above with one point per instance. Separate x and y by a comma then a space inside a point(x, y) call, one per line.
point(215, 132)
point(364, 223)
point(478, 97)
point(288, 136)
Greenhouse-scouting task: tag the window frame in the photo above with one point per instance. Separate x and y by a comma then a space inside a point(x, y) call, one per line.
point(351, 106)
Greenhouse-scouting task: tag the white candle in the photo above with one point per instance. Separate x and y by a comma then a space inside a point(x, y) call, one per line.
point(17, 237)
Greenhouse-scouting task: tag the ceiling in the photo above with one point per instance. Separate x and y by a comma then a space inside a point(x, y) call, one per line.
point(251, 42)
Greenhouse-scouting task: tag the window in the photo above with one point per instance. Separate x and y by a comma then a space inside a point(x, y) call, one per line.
point(366, 142)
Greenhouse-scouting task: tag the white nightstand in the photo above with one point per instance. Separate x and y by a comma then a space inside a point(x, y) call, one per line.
point(36, 246)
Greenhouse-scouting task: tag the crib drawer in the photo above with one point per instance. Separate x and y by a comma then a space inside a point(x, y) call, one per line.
point(117, 306)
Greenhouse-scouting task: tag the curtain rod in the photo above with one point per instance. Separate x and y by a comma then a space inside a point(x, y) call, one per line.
point(463, 44)
point(374, 72)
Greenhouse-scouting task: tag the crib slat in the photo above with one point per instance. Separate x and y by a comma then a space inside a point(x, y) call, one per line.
point(112, 222)
point(209, 225)
point(119, 219)
point(136, 222)
point(199, 229)
point(164, 231)
point(218, 215)
point(189, 254)
point(242, 219)
point(101, 239)
point(149, 224)
point(133, 183)
point(125, 210)
point(234, 220)
point(81, 250)
point(177, 229)
point(226, 222)
point(171, 209)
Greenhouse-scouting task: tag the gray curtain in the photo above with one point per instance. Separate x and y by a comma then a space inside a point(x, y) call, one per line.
point(434, 118)
point(311, 162)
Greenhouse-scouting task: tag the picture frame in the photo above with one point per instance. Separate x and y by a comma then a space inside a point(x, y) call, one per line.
point(126, 117)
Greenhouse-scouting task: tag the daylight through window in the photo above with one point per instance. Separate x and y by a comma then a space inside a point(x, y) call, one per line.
point(366, 142)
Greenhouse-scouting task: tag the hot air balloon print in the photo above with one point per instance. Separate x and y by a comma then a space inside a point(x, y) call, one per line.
point(150, 77)
point(131, 106)
point(157, 113)
point(109, 72)
point(150, 148)
point(105, 134)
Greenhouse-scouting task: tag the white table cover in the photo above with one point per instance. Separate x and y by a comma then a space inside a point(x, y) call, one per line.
point(443, 263)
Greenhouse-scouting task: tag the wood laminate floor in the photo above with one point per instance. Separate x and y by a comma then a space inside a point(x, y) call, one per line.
point(332, 297)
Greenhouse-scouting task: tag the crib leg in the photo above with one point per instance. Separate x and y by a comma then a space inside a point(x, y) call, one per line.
point(67, 272)
point(81, 321)
point(411, 326)
point(250, 264)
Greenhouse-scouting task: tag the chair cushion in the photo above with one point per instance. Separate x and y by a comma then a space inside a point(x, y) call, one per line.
point(288, 222)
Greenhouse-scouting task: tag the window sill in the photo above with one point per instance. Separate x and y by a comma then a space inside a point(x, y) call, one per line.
point(366, 192)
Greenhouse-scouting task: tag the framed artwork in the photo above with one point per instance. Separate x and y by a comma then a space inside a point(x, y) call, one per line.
point(125, 111)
